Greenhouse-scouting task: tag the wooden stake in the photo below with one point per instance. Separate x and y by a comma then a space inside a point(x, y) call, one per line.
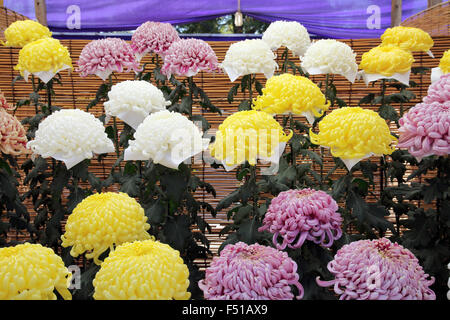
point(41, 11)
point(396, 13)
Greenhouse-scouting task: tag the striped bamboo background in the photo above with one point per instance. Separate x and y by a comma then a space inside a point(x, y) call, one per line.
point(77, 92)
point(434, 20)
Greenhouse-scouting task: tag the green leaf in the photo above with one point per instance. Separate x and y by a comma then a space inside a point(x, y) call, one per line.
point(204, 123)
point(242, 214)
point(186, 105)
point(259, 87)
point(232, 93)
point(228, 200)
point(244, 105)
point(75, 197)
point(177, 232)
point(156, 213)
point(388, 112)
point(248, 231)
point(60, 180)
point(130, 185)
point(174, 184)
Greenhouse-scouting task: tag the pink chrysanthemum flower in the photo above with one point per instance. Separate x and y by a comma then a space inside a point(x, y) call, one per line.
point(153, 37)
point(13, 138)
point(378, 270)
point(188, 57)
point(299, 215)
point(4, 104)
point(251, 272)
point(104, 56)
point(425, 130)
point(439, 91)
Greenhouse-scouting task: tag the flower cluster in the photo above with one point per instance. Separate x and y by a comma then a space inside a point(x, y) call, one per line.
point(142, 270)
point(287, 93)
point(70, 135)
point(378, 270)
point(248, 135)
point(187, 57)
point(167, 138)
point(22, 32)
point(105, 56)
point(439, 91)
point(153, 37)
point(13, 138)
point(387, 61)
point(32, 272)
point(290, 34)
point(133, 101)
point(249, 57)
point(425, 130)
point(43, 58)
point(251, 272)
point(353, 133)
point(407, 38)
point(102, 221)
point(299, 215)
point(330, 56)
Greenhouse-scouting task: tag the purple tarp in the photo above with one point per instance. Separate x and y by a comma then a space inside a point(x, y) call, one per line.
point(322, 18)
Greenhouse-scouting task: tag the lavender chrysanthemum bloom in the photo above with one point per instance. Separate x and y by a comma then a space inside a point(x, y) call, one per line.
point(439, 91)
point(425, 130)
point(251, 272)
point(104, 56)
point(299, 215)
point(378, 270)
point(187, 57)
point(153, 37)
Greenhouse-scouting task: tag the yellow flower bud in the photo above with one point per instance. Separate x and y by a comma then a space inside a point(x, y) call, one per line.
point(32, 272)
point(386, 60)
point(142, 270)
point(102, 221)
point(22, 32)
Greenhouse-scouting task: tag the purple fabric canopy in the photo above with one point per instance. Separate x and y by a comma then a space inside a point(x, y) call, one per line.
point(325, 18)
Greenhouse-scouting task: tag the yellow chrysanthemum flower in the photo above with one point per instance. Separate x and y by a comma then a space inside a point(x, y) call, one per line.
point(22, 32)
point(246, 135)
point(407, 38)
point(354, 133)
point(32, 272)
point(287, 93)
point(386, 60)
point(142, 270)
point(444, 63)
point(44, 55)
point(102, 221)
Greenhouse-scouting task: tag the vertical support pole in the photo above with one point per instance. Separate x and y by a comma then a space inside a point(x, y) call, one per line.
point(40, 9)
point(396, 13)
point(433, 3)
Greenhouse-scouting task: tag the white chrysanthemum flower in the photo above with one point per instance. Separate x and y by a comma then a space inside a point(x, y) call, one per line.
point(70, 135)
point(330, 56)
point(133, 101)
point(249, 57)
point(290, 34)
point(168, 138)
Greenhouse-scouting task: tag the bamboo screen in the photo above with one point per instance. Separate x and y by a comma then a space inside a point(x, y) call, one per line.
point(77, 92)
point(434, 20)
